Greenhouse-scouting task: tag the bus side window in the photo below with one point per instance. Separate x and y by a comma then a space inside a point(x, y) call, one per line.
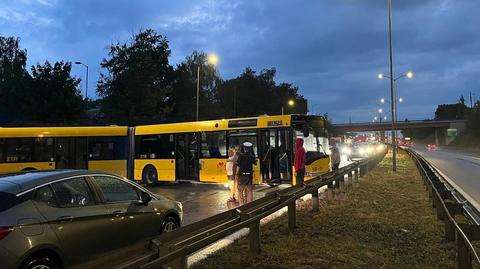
point(43, 149)
point(214, 145)
point(155, 146)
point(2, 149)
point(101, 148)
point(18, 150)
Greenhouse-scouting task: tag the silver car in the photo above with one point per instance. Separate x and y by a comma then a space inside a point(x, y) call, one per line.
point(64, 219)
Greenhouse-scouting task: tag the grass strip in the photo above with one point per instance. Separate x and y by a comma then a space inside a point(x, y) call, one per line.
point(385, 221)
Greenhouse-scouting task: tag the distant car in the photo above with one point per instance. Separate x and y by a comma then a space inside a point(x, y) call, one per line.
point(431, 147)
point(64, 218)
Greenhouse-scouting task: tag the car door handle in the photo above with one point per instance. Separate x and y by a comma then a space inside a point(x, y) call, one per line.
point(118, 212)
point(65, 218)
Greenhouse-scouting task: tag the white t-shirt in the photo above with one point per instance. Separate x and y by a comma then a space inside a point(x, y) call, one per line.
point(229, 166)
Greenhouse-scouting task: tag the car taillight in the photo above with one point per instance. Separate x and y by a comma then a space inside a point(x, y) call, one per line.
point(4, 231)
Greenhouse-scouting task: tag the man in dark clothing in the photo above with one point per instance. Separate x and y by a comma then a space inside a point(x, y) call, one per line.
point(299, 163)
point(244, 173)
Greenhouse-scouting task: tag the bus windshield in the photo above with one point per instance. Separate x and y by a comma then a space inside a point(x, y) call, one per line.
point(313, 143)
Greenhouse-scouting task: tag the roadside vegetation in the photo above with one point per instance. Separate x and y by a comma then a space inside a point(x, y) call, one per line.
point(385, 221)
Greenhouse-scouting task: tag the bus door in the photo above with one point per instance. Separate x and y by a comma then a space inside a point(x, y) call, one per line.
point(237, 138)
point(285, 154)
point(186, 156)
point(269, 165)
point(71, 153)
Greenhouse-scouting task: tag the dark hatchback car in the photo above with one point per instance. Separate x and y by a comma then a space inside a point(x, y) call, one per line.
point(64, 219)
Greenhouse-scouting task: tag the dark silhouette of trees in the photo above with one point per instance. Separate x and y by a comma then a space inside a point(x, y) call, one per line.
point(14, 79)
point(185, 88)
point(54, 96)
point(48, 95)
point(252, 94)
point(138, 85)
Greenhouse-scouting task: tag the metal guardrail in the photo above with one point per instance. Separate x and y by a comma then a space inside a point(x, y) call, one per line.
point(449, 203)
point(172, 249)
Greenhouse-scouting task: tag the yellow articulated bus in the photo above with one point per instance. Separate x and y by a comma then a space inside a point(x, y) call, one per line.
point(45, 148)
point(193, 151)
point(198, 150)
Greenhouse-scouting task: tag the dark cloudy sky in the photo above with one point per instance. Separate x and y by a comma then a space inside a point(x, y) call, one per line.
point(331, 49)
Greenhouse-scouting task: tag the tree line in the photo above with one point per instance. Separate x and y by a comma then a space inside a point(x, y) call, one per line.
point(138, 85)
point(460, 111)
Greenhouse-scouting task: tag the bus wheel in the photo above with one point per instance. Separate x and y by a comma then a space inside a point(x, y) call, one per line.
point(150, 176)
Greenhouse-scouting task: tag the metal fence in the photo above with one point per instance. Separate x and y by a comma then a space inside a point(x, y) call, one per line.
point(460, 217)
point(172, 249)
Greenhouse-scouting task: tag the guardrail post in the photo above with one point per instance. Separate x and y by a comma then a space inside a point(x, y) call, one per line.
point(363, 170)
point(315, 201)
point(292, 218)
point(453, 208)
point(329, 191)
point(179, 263)
point(464, 258)
point(341, 183)
point(350, 180)
point(440, 210)
point(254, 236)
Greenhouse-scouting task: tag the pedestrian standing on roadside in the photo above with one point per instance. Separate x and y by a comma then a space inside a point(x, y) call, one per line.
point(244, 173)
point(335, 155)
point(230, 175)
point(299, 163)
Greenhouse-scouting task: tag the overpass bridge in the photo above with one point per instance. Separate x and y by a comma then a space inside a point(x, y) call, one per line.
point(440, 127)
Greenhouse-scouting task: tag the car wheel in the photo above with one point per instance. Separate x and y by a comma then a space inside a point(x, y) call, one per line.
point(169, 224)
point(40, 263)
point(150, 176)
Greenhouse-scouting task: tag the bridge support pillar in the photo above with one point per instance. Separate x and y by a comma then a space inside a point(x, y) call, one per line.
point(436, 137)
point(382, 136)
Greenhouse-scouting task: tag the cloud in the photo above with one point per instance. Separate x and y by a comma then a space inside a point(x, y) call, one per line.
point(331, 50)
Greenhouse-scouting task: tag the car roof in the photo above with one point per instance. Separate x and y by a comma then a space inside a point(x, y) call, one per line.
point(22, 181)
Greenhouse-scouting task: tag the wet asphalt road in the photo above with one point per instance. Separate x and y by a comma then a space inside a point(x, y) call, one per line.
point(202, 200)
point(461, 167)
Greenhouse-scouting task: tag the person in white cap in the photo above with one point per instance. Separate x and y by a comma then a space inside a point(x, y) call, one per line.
point(244, 173)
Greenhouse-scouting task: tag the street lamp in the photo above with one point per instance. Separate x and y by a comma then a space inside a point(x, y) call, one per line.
point(86, 79)
point(393, 92)
point(213, 60)
point(290, 103)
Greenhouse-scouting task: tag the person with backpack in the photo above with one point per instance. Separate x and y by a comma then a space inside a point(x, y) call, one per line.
point(244, 173)
point(299, 163)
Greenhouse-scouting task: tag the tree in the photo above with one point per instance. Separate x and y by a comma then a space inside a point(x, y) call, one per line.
point(252, 94)
point(54, 96)
point(185, 88)
point(138, 86)
point(14, 79)
point(450, 111)
point(461, 100)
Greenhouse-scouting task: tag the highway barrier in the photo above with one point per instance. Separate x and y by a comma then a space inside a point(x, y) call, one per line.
point(172, 249)
point(461, 218)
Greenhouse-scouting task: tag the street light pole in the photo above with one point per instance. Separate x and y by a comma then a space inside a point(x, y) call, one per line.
point(392, 89)
point(211, 59)
point(86, 78)
point(198, 88)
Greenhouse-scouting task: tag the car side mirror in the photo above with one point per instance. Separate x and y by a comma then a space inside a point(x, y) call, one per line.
point(145, 198)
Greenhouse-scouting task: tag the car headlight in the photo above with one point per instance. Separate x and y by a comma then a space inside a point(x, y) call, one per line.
point(369, 149)
point(346, 150)
point(362, 151)
point(379, 148)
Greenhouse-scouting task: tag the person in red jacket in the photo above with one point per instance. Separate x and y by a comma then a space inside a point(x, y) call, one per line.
point(300, 156)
